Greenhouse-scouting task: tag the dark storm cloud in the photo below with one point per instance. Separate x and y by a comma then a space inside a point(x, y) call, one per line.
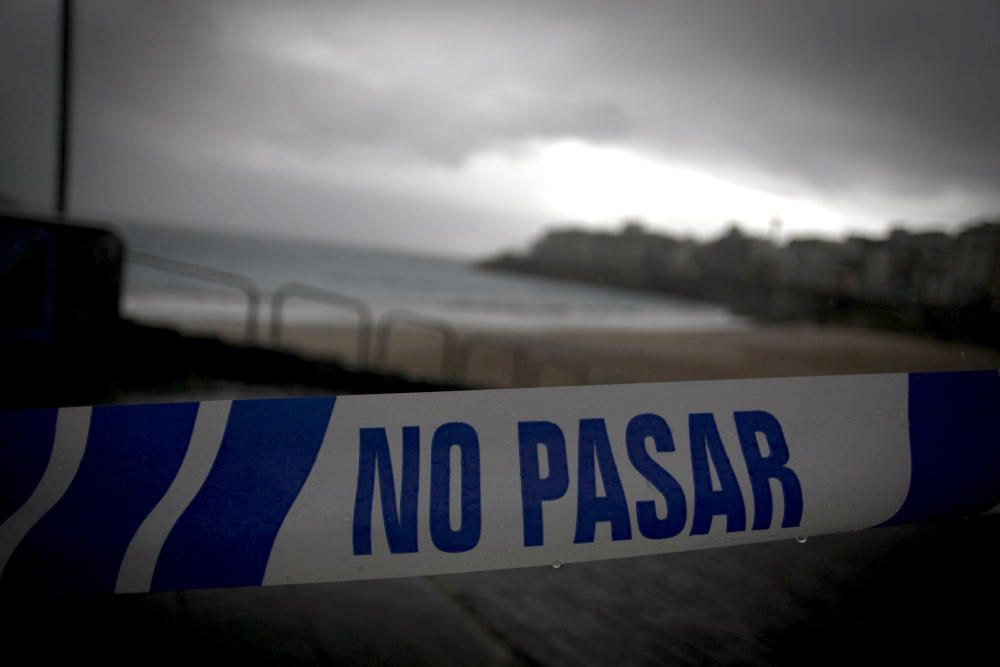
point(904, 93)
point(207, 72)
point(894, 98)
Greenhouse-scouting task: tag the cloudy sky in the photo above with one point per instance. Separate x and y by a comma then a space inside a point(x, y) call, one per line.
point(468, 126)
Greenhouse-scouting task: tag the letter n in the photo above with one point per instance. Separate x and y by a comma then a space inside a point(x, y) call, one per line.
point(400, 520)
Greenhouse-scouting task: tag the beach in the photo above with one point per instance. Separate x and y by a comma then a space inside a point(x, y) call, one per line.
point(602, 356)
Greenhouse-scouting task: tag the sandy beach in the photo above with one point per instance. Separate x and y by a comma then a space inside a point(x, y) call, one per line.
point(553, 358)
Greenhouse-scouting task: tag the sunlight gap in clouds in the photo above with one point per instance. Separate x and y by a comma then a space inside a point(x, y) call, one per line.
point(534, 183)
point(543, 181)
point(584, 181)
point(579, 181)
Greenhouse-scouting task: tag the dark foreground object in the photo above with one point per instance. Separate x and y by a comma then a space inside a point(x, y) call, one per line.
point(130, 362)
point(65, 343)
point(883, 596)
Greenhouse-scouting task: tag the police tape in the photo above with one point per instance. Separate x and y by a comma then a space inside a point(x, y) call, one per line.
point(256, 492)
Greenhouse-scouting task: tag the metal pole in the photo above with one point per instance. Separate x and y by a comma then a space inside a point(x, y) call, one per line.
point(235, 280)
point(65, 95)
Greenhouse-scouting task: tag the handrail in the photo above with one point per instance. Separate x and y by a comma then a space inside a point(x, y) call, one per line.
point(207, 274)
point(449, 338)
point(454, 356)
point(303, 291)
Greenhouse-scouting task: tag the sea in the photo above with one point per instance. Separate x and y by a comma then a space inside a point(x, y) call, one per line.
point(444, 289)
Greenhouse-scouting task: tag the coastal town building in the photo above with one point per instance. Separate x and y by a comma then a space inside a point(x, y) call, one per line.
point(949, 284)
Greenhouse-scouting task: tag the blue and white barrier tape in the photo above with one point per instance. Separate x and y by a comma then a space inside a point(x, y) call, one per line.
point(246, 493)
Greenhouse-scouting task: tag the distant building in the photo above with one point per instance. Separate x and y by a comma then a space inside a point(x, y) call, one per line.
point(814, 264)
point(917, 280)
point(737, 256)
point(974, 265)
point(917, 265)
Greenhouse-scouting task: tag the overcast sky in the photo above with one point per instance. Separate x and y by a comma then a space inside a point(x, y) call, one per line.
point(464, 127)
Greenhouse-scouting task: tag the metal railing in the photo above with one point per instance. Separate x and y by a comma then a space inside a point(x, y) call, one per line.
point(308, 292)
point(399, 316)
point(373, 338)
point(204, 273)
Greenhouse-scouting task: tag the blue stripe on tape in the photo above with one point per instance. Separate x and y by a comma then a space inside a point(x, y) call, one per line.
point(133, 453)
point(225, 535)
point(954, 445)
point(26, 438)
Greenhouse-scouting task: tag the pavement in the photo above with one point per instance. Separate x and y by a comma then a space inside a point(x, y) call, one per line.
point(889, 594)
